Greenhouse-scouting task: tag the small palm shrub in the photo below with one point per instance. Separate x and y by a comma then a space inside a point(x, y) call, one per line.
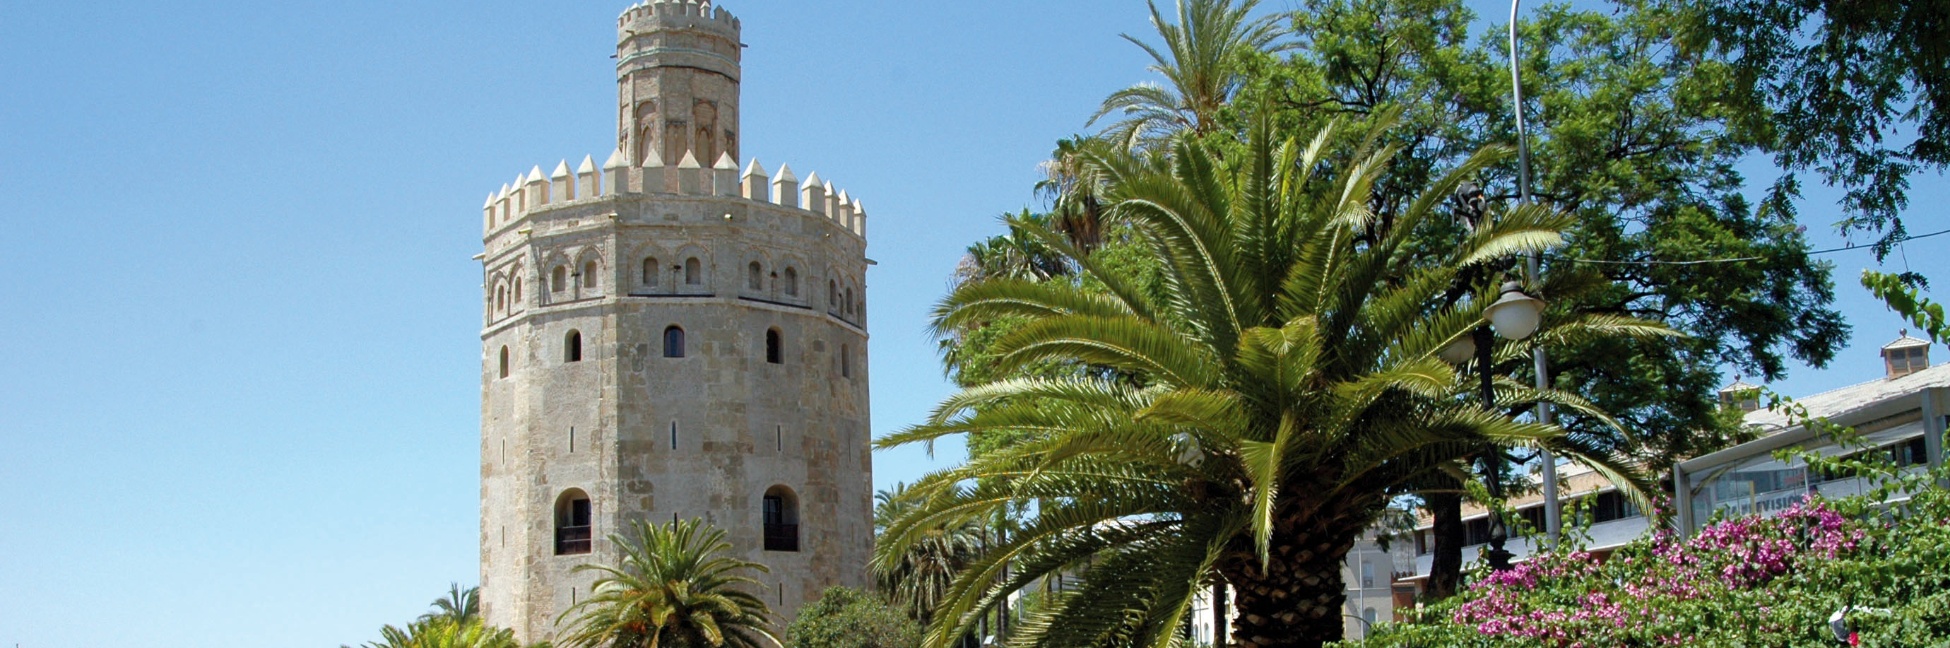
point(674, 587)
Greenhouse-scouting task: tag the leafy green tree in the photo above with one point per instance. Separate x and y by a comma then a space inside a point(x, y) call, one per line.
point(847, 618)
point(1254, 420)
point(1856, 92)
point(674, 586)
point(1633, 140)
point(1199, 64)
point(920, 579)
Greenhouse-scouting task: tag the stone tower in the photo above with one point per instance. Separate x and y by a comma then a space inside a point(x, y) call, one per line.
point(669, 337)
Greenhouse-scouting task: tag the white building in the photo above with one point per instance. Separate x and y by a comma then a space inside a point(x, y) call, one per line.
point(1903, 413)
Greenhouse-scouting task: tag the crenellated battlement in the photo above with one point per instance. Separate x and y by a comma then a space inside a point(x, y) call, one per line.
point(675, 15)
point(535, 190)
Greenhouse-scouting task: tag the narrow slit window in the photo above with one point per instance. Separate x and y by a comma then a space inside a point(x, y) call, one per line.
point(504, 362)
point(774, 347)
point(572, 347)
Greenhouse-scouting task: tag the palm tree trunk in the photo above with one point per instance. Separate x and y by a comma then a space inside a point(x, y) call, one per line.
point(1219, 616)
point(1445, 567)
point(1295, 601)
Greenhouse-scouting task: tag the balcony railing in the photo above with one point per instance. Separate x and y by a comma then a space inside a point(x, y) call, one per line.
point(572, 540)
point(781, 537)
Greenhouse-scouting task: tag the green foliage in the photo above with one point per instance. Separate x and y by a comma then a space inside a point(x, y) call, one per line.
point(1896, 292)
point(673, 586)
point(847, 618)
point(1245, 424)
point(1631, 139)
point(1199, 62)
point(920, 579)
point(1834, 88)
point(454, 622)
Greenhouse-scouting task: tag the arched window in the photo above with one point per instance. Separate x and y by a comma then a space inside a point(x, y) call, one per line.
point(673, 342)
point(558, 279)
point(572, 523)
point(781, 512)
point(504, 362)
point(589, 272)
point(572, 347)
point(832, 296)
point(849, 301)
point(693, 272)
point(650, 269)
point(755, 276)
point(518, 283)
point(500, 299)
point(846, 361)
point(774, 347)
point(791, 282)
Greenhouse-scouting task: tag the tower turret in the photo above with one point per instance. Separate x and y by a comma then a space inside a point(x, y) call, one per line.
point(677, 71)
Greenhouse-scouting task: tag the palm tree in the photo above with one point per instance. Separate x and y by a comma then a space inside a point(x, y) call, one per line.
point(461, 606)
point(1200, 64)
point(1071, 187)
point(673, 588)
point(921, 578)
point(1287, 386)
point(446, 633)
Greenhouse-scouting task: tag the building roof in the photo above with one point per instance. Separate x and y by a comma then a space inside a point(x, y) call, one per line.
point(1840, 404)
point(1904, 341)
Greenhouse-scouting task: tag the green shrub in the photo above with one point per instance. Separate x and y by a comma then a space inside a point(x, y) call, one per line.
point(847, 618)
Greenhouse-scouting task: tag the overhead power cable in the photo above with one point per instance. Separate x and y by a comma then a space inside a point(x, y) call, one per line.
point(1655, 262)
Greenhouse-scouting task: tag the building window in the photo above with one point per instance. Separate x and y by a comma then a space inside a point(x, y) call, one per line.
point(781, 519)
point(572, 523)
point(849, 302)
point(500, 299)
point(693, 272)
point(673, 342)
point(755, 276)
point(774, 347)
point(517, 285)
point(504, 362)
point(650, 271)
point(589, 272)
point(791, 282)
point(832, 296)
point(558, 280)
point(846, 361)
point(572, 346)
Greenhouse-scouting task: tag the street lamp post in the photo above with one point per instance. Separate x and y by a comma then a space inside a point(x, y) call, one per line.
point(1514, 316)
point(1553, 513)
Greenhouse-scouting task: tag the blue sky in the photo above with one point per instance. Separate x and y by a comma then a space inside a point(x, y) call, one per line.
point(240, 404)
